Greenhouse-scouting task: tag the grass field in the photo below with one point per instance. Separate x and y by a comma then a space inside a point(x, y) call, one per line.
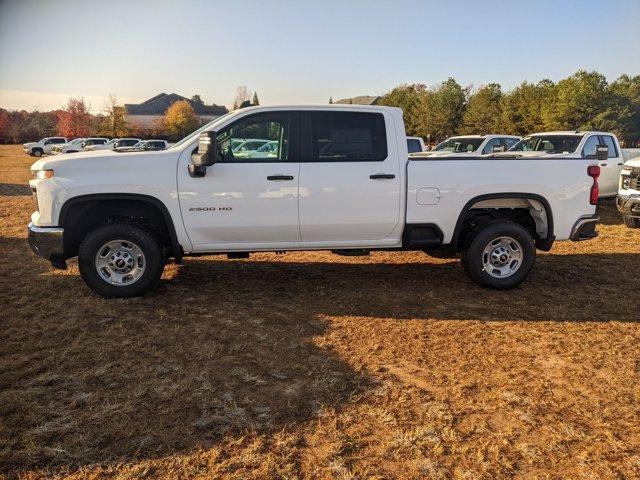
point(309, 365)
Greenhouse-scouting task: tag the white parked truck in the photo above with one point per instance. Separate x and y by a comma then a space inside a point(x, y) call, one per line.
point(39, 148)
point(628, 200)
point(340, 180)
point(577, 143)
point(113, 144)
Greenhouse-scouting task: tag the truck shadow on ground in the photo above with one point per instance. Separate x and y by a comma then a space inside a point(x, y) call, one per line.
point(15, 190)
point(226, 347)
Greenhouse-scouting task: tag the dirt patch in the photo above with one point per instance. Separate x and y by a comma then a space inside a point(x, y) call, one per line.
point(308, 365)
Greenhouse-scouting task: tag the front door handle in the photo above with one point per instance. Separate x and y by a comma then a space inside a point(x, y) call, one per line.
point(382, 176)
point(280, 177)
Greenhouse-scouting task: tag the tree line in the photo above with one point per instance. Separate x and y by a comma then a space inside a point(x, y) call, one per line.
point(583, 101)
point(75, 120)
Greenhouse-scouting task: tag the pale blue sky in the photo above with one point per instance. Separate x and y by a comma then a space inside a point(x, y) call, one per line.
point(301, 51)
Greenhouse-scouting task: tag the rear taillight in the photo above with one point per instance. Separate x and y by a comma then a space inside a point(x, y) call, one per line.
point(594, 172)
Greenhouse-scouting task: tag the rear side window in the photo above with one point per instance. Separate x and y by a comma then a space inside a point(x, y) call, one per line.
point(608, 141)
point(413, 145)
point(59, 140)
point(100, 142)
point(347, 137)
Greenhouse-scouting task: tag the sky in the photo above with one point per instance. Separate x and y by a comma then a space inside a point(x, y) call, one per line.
point(300, 51)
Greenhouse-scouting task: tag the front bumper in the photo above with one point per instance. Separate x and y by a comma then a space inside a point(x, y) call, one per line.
point(48, 243)
point(585, 228)
point(629, 207)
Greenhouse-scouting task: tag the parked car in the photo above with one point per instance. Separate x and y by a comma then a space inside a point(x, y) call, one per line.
point(112, 144)
point(86, 142)
point(64, 147)
point(472, 145)
point(39, 148)
point(341, 181)
point(628, 200)
point(415, 144)
point(146, 145)
point(578, 144)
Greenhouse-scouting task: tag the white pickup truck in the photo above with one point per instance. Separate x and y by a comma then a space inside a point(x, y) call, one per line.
point(340, 180)
point(39, 148)
point(628, 200)
point(576, 143)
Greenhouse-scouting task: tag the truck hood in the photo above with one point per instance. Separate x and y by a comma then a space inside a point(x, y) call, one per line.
point(69, 165)
point(634, 162)
point(29, 144)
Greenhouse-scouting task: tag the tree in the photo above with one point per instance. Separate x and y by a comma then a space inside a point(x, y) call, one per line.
point(255, 100)
point(197, 99)
point(17, 126)
point(441, 110)
point(113, 123)
point(74, 120)
point(241, 95)
point(576, 102)
point(180, 119)
point(484, 110)
point(522, 107)
point(622, 113)
point(407, 97)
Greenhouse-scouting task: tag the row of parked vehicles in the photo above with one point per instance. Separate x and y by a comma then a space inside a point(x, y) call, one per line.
point(561, 144)
point(58, 145)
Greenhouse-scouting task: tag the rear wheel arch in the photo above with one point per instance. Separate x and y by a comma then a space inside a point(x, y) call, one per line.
point(82, 214)
point(537, 208)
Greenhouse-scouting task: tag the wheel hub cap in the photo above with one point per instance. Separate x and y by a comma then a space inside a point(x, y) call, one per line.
point(502, 257)
point(120, 262)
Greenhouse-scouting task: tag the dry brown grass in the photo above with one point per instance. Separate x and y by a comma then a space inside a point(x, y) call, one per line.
point(308, 365)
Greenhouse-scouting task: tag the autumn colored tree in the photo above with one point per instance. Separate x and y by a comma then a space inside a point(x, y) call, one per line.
point(180, 119)
point(75, 120)
point(113, 123)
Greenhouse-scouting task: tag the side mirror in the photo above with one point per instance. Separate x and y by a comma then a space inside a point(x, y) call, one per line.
point(602, 152)
point(83, 144)
point(497, 149)
point(205, 156)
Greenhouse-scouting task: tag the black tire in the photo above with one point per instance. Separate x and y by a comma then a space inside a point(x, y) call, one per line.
point(37, 152)
point(473, 257)
point(631, 222)
point(72, 151)
point(143, 239)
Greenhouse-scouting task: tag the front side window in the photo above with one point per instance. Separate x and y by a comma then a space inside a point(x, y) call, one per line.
point(590, 145)
point(59, 140)
point(460, 144)
point(608, 141)
point(488, 148)
point(347, 137)
point(242, 140)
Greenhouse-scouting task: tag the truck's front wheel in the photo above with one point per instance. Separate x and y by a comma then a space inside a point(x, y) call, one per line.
point(120, 260)
point(500, 255)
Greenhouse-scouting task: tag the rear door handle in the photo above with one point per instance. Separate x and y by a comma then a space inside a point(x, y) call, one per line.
point(382, 176)
point(280, 177)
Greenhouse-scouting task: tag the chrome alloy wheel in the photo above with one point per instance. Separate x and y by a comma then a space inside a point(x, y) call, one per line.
point(502, 257)
point(120, 262)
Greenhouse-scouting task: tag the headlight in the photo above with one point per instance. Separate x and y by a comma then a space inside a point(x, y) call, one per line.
point(43, 174)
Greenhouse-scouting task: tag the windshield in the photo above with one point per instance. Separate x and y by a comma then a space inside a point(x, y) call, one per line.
point(76, 141)
point(548, 144)
point(111, 142)
point(195, 134)
point(460, 144)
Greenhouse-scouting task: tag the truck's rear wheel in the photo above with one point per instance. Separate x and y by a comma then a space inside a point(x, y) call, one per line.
point(500, 255)
point(120, 260)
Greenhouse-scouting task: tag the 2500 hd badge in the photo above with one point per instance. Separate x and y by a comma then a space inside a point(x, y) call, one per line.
point(210, 209)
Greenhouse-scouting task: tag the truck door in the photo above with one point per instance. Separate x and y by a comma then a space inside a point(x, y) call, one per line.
point(250, 197)
point(349, 177)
